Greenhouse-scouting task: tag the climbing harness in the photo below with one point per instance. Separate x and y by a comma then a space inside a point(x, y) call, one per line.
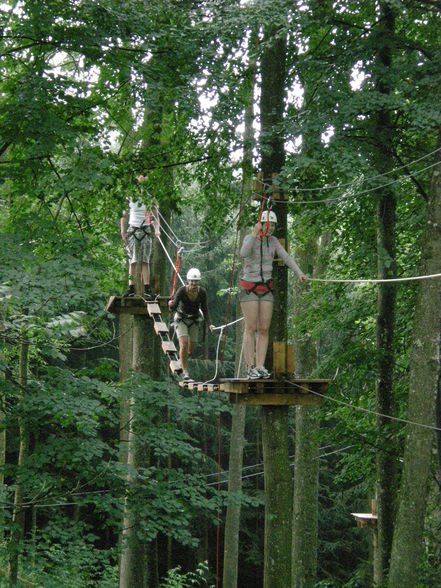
point(258, 288)
point(140, 232)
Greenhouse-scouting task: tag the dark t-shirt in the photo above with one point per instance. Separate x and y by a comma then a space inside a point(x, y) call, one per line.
point(190, 308)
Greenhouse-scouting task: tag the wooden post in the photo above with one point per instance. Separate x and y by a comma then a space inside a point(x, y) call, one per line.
point(283, 357)
point(279, 357)
point(290, 358)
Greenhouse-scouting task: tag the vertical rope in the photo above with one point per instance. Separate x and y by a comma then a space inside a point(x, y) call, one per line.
point(177, 268)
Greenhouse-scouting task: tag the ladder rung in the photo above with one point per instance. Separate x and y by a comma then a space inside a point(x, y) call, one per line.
point(175, 367)
point(160, 327)
point(168, 347)
point(153, 308)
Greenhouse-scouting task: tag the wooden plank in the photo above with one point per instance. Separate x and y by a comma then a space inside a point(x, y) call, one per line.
point(160, 327)
point(365, 519)
point(110, 303)
point(235, 387)
point(290, 358)
point(153, 308)
point(207, 387)
point(188, 384)
point(274, 399)
point(168, 347)
point(175, 367)
point(279, 357)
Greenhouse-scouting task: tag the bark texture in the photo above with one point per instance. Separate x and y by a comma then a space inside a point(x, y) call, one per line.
point(278, 498)
point(386, 301)
point(18, 515)
point(138, 563)
point(278, 505)
point(306, 465)
point(424, 362)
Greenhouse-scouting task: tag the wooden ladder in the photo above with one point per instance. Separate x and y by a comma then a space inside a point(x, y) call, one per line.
point(161, 329)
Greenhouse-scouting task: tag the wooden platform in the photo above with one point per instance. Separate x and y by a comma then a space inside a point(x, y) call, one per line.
point(271, 392)
point(275, 392)
point(365, 519)
point(134, 304)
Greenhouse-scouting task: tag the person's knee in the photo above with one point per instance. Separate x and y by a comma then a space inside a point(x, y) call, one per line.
point(263, 330)
point(183, 342)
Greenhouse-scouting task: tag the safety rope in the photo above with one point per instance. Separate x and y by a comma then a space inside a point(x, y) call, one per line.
point(374, 281)
point(360, 192)
point(170, 260)
point(362, 409)
point(177, 267)
point(368, 179)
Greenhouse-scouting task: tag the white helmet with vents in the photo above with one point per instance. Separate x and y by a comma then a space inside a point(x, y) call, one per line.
point(193, 274)
point(272, 217)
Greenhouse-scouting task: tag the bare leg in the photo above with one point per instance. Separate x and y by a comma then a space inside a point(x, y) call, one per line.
point(183, 351)
point(263, 324)
point(250, 312)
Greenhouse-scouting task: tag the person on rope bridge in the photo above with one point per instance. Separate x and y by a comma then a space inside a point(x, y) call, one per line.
point(256, 289)
point(187, 303)
point(143, 220)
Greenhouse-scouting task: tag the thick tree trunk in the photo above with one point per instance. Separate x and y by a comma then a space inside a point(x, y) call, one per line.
point(305, 506)
point(306, 465)
point(277, 539)
point(232, 521)
point(138, 564)
point(386, 299)
point(278, 498)
point(18, 516)
point(424, 367)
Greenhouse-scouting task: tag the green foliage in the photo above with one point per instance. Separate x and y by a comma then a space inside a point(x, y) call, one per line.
point(177, 579)
point(93, 94)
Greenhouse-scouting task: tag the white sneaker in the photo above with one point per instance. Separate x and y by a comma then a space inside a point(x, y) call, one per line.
point(264, 373)
point(253, 374)
point(185, 375)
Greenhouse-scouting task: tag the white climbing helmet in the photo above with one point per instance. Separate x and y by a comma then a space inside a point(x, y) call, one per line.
point(272, 217)
point(193, 274)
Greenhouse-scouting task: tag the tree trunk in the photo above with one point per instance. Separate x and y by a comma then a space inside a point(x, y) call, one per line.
point(306, 464)
point(232, 520)
point(278, 498)
point(277, 536)
point(305, 505)
point(386, 300)
point(18, 516)
point(424, 367)
point(2, 454)
point(138, 564)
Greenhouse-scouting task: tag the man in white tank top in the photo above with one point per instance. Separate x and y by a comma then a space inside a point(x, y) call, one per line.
point(137, 229)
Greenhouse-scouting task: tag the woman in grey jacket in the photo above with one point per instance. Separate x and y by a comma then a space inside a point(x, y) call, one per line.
point(256, 297)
